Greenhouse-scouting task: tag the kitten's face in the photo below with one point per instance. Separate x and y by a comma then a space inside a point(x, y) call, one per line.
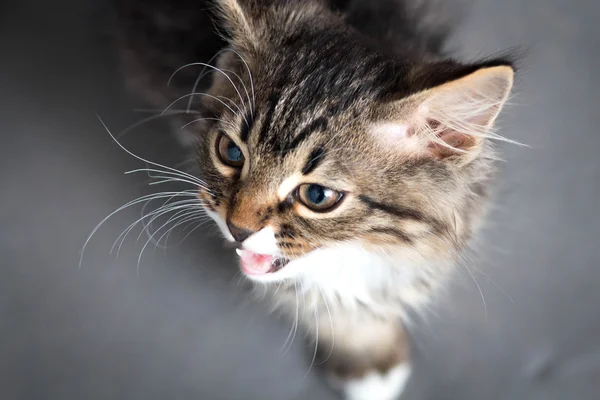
point(305, 189)
point(321, 183)
point(320, 172)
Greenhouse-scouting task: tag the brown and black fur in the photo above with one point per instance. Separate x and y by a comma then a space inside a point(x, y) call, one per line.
point(323, 74)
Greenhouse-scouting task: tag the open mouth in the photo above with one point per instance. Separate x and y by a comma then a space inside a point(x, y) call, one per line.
point(260, 264)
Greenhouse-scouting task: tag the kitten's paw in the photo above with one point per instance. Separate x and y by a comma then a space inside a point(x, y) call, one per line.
point(375, 386)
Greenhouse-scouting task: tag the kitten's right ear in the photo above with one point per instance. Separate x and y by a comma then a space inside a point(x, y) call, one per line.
point(449, 121)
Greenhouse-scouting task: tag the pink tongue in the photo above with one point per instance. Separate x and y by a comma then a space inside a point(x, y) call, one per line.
point(255, 264)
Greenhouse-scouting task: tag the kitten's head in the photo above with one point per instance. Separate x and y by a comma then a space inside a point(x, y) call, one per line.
point(326, 157)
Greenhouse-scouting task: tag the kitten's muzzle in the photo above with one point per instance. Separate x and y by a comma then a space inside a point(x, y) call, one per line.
point(239, 234)
point(255, 264)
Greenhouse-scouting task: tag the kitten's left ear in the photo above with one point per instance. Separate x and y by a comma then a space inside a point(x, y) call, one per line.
point(449, 121)
point(240, 18)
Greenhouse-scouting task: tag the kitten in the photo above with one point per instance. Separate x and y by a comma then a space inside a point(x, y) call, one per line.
point(339, 146)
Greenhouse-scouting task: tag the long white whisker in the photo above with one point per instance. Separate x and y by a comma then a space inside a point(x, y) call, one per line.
point(208, 118)
point(121, 238)
point(249, 75)
point(485, 309)
point(317, 322)
point(182, 217)
point(165, 209)
point(174, 175)
point(292, 334)
point(234, 105)
point(149, 241)
point(489, 279)
point(208, 66)
point(245, 89)
point(145, 215)
point(175, 111)
point(199, 94)
point(191, 217)
point(201, 223)
point(141, 158)
point(146, 120)
point(178, 216)
point(201, 75)
point(331, 324)
point(167, 179)
point(126, 205)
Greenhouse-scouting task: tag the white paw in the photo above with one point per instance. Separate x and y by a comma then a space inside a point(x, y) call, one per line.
point(375, 386)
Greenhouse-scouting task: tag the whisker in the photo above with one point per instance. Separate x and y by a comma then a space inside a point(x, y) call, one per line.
point(485, 308)
point(127, 230)
point(287, 345)
point(250, 102)
point(249, 76)
point(316, 341)
point(175, 111)
point(168, 179)
point(141, 158)
point(201, 75)
point(231, 125)
point(146, 120)
point(123, 207)
point(165, 209)
point(208, 66)
point(235, 105)
point(245, 89)
point(146, 245)
point(201, 223)
point(178, 216)
point(191, 218)
point(192, 160)
point(199, 94)
point(176, 177)
point(331, 324)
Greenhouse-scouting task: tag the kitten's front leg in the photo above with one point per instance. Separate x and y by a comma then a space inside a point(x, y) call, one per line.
point(369, 362)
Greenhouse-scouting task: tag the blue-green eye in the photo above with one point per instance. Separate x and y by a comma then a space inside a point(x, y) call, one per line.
point(318, 198)
point(316, 194)
point(229, 153)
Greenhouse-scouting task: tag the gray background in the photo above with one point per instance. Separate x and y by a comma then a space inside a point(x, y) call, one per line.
point(521, 323)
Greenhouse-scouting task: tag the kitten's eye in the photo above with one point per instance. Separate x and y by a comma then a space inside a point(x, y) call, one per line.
point(229, 153)
point(318, 198)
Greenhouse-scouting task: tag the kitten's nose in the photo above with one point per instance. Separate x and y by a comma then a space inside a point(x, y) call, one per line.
point(239, 234)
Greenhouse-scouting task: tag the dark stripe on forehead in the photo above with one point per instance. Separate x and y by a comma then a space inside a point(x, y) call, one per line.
point(273, 101)
point(318, 124)
point(247, 124)
point(401, 212)
point(314, 159)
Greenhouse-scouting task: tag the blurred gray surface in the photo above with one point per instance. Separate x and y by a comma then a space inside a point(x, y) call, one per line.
point(521, 322)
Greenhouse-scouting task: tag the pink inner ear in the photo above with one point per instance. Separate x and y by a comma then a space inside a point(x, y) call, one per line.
point(455, 142)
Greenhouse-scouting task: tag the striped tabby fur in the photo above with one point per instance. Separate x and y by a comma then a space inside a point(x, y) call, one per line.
point(356, 96)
